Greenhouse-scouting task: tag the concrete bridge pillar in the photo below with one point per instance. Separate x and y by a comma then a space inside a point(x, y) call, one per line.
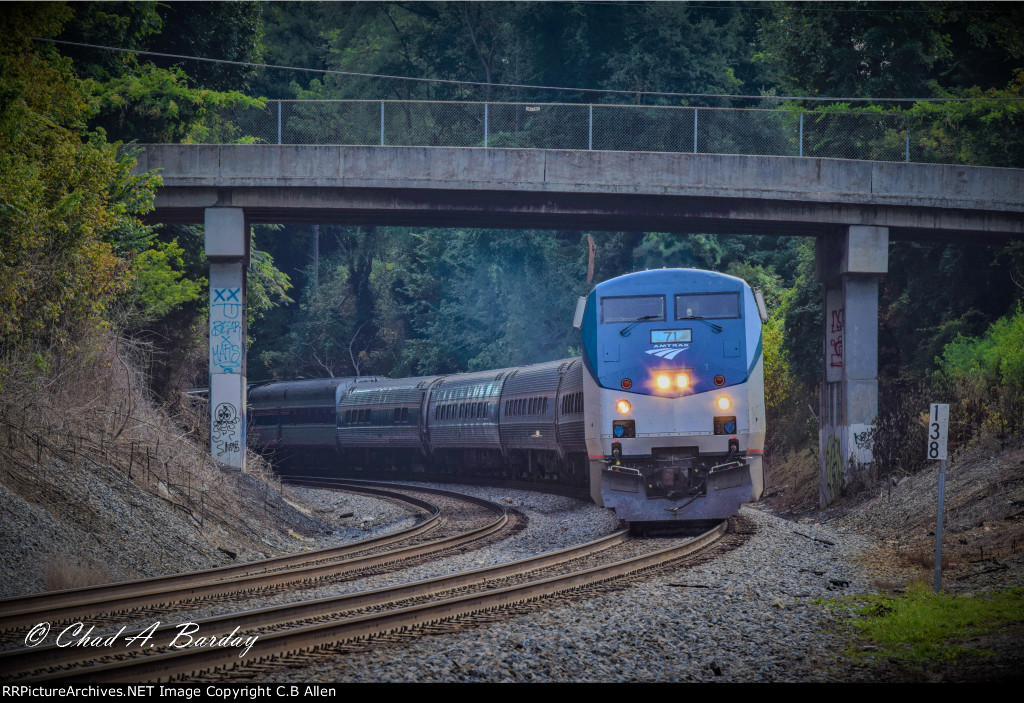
point(849, 267)
point(227, 249)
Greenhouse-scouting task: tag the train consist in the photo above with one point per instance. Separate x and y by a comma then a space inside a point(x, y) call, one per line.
point(662, 417)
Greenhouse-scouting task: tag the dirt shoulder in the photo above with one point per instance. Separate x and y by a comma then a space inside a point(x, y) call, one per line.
point(983, 541)
point(983, 546)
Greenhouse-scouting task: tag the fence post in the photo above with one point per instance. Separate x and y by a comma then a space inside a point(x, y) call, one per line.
point(801, 133)
point(382, 123)
point(279, 121)
point(694, 130)
point(906, 150)
point(590, 130)
point(485, 125)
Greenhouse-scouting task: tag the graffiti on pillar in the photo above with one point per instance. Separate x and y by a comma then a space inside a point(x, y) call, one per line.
point(835, 338)
point(835, 331)
point(226, 329)
point(228, 300)
point(833, 466)
point(862, 443)
point(225, 347)
point(224, 431)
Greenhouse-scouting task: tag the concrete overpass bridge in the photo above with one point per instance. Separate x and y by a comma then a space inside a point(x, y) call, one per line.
point(853, 208)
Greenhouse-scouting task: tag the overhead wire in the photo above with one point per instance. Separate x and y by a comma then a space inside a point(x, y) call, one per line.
point(522, 86)
point(880, 6)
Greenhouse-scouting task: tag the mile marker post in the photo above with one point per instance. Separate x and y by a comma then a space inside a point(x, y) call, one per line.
point(938, 431)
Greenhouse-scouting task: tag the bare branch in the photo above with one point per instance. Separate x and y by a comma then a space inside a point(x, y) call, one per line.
point(359, 329)
point(1017, 277)
point(485, 61)
point(320, 362)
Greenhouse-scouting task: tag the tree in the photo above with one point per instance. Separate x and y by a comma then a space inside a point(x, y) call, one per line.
point(804, 320)
point(231, 31)
point(158, 283)
point(155, 278)
point(68, 199)
point(292, 37)
point(858, 50)
point(126, 25)
point(976, 133)
point(151, 100)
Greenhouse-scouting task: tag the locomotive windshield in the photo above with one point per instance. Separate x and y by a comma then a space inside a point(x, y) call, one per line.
point(707, 305)
point(633, 308)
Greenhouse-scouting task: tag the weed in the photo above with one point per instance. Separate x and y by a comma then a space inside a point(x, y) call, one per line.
point(921, 626)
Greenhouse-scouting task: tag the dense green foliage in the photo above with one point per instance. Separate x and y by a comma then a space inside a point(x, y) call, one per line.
point(159, 286)
point(655, 46)
point(988, 373)
point(68, 201)
point(74, 256)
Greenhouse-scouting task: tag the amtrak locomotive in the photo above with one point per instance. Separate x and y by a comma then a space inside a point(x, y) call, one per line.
point(663, 417)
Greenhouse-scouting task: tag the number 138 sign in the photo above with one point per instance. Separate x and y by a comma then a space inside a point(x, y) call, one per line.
point(938, 429)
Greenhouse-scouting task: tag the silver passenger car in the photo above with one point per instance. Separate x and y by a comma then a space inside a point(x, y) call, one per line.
point(385, 413)
point(297, 414)
point(463, 411)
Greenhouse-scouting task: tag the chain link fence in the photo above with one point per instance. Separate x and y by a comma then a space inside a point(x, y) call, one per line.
point(826, 133)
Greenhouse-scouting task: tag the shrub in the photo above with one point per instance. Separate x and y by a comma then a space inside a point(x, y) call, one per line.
point(790, 425)
point(986, 375)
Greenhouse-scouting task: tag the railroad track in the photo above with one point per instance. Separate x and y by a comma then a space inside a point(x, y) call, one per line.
point(313, 626)
point(156, 595)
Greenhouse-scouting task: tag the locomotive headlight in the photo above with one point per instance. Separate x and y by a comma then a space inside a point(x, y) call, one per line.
point(723, 403)
point(663, 381)
point(623, 407)
point(683, 380)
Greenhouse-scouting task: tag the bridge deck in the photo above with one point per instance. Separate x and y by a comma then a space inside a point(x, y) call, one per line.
point(537, 188)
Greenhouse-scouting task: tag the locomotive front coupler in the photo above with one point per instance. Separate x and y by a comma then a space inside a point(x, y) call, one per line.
point(660, 478)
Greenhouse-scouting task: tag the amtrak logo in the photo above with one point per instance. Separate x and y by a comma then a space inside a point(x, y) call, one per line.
point(668, 353)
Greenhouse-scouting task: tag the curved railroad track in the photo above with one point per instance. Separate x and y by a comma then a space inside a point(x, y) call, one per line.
point(155, 595)
point(327, 624)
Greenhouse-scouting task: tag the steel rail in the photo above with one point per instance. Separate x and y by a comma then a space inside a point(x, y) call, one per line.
point(28, 659)
point(87, 594)
point(312, 637)
point(146, 595)
point(398, 479)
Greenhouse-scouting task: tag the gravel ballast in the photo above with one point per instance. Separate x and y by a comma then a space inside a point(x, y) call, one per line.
point(553, 522)
point(107, 529)
point(745, 616)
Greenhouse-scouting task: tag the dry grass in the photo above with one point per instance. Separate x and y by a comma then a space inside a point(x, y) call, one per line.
point(793, 482)
point(91, 412)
